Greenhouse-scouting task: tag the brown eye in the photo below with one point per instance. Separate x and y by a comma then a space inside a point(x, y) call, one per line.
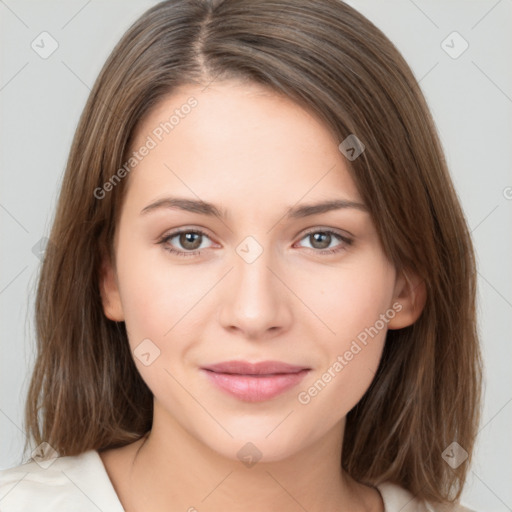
point(322, 241)
point(186, 242)
point(190, 240)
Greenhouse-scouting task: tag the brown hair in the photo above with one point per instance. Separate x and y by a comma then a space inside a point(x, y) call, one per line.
point(86, 392)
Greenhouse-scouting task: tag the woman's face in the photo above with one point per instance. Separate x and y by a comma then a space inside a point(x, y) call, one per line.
point(266, 279)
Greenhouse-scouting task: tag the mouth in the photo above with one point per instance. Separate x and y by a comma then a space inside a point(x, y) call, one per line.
point(254, 382)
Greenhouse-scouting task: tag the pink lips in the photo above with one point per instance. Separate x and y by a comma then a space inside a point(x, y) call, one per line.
point(254, 382)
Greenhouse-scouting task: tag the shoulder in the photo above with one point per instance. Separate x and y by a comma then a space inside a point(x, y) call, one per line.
point(78, 483)
point(397, 499)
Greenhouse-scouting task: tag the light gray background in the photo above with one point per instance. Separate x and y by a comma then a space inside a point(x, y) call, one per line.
point(471, 100)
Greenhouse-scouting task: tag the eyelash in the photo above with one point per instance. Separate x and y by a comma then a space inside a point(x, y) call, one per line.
point(164, 240)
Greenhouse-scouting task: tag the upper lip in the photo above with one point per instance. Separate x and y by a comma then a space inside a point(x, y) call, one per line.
point(261, 368)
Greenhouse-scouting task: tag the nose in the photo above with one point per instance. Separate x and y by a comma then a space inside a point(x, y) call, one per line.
point(257, 304)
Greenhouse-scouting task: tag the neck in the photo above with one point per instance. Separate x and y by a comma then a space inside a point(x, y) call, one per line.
point(172, 470)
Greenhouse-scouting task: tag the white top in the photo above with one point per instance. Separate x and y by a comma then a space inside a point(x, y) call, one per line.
point(81, 483)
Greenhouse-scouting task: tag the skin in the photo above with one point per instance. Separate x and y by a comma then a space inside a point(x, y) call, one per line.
point(254, 154)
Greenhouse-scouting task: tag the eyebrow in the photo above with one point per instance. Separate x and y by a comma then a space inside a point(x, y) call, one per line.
point(205, 208)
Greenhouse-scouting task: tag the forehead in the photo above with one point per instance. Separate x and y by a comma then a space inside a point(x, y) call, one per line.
point(238, 140)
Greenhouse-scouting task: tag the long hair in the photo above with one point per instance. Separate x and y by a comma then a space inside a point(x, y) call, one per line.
point(86, 392)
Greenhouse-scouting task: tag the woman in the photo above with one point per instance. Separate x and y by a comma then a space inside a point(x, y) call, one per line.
point(260, 292)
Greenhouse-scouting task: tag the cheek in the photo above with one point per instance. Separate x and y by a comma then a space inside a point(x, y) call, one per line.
point(155, 300)
point(162, 303)
point(351, 303)
point(350, 297)
point(155, 293)
point(349, 364)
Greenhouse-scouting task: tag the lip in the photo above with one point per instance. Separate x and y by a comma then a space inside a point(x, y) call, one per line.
point(254, 382)
point(261, 368)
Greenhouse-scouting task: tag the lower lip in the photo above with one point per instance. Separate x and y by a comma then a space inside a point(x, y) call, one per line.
point(254, 388)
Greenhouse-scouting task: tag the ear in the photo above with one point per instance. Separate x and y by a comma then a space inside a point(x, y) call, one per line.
point(411, 294)
point(109, 291)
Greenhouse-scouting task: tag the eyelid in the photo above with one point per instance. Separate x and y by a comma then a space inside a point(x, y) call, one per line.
point(178, 231)
point(325, 229)
point(185, 229)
